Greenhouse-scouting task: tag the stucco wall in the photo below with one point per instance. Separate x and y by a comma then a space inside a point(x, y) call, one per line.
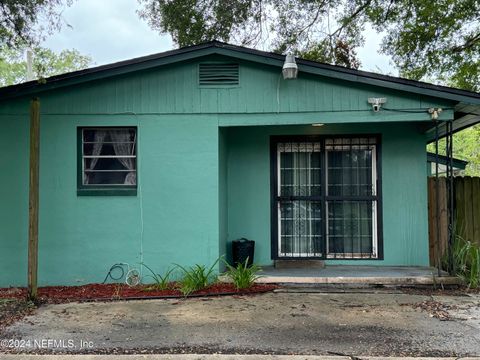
point(199, 185)
point(405, 228)
point(13, 200)
point(173, 219)
point(223, 195)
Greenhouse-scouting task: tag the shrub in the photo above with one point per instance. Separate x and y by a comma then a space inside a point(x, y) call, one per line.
point(466, 261)
point(196, 277)
point(243, 276)
point(161, 282)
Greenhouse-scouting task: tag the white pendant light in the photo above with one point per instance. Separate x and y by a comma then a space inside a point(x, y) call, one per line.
point(290, 68)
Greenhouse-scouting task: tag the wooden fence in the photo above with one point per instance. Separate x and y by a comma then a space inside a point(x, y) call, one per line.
point(466, 208)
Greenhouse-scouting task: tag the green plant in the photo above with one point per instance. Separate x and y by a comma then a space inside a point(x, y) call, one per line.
point(243, 276)
point(196, 277)
point(161, 282)
point(466, 261)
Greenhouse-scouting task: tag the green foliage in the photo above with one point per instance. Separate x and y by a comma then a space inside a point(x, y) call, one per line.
point(243, 276)
point(466, 261)
point(440, 39)
point(426, 39)
point(26, 22)
point(196, 277)
point(191, 22)
point(13, 66)
point(161, 282)
point(466, 76)
point(293, 25)
point(465, 147)
point(343, 53)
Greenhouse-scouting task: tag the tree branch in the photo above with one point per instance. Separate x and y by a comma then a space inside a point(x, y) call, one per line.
point(470, 43)
point(309, 25)
point(350, 18)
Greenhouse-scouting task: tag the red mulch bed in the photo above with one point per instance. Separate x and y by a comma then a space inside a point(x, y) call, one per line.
point(102, 292)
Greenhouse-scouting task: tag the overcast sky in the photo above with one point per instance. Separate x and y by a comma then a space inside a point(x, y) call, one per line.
point(110, 31)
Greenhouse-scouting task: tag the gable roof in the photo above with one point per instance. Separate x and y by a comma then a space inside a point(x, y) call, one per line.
point(216, 47)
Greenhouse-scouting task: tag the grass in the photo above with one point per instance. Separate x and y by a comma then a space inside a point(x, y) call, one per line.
point(242, 275)
point(196, 277)
point(161, 282)
point(466, 261)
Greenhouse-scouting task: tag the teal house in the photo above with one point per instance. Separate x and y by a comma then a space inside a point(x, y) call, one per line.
point(168, 158)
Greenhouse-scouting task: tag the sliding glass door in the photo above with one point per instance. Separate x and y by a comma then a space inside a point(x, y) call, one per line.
point(325, 197)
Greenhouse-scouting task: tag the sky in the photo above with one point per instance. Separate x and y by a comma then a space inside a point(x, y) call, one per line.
point(111, 30)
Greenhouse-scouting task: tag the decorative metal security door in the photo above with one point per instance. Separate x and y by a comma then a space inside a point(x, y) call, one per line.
point(299, 191)
point(326, 198)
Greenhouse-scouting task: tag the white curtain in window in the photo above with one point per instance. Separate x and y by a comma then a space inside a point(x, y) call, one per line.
point(99, 139)
point(122, 147)
point(299, 176)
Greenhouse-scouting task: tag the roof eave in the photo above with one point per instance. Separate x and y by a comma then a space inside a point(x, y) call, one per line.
point(215, 47)
point(462, 120)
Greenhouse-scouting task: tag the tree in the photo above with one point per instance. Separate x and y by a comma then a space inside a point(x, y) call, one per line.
point(465, 147)
point(13, 66)
point(300, 26)
point(437, 39)
point(26, 21)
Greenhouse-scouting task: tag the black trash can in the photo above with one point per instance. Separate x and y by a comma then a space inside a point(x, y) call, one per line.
point(241, 250)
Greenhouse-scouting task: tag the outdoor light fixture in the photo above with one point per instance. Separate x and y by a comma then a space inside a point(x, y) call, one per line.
point(434, 113)
point(290, 68)
point(377, 103)
point(318, 124)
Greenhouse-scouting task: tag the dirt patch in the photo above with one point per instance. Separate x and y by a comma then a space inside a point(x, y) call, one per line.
point(451, 290)
point(102, 292)
point(436, 309)
point(12, 310)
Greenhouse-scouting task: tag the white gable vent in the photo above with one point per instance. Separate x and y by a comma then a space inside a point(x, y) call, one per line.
point(214, 74)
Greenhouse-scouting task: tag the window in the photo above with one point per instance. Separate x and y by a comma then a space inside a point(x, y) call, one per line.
point(107, 161)
point(326, 198)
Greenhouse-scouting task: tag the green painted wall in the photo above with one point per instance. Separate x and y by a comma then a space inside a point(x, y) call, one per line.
point(13, 200)
point(174, 89)
point(199, 184)
point(81, 237)
point(404, 188)
point(223, 194)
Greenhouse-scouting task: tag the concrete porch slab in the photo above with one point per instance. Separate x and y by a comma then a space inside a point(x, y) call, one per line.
point(362, 275)
point(216, 357)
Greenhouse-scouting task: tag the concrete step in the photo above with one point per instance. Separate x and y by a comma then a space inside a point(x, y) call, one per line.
point(370, 280)
point(299, 264)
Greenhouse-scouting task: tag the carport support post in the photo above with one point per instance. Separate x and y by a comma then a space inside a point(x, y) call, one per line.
point(33, 198)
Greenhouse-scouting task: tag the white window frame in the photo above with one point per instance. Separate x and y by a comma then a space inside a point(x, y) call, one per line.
point(83, 157)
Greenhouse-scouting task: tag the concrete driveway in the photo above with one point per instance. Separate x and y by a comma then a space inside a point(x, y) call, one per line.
point(382, 324)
